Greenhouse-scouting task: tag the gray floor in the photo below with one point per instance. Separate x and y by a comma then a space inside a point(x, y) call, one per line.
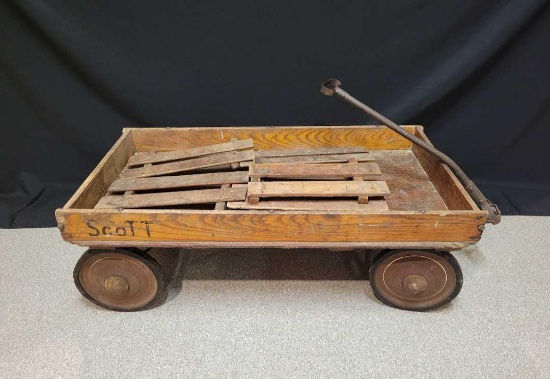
point(278, 314)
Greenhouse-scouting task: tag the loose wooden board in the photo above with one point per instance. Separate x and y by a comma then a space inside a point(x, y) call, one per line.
point(318, 151)
point(317, 189)
point(150, 200)
point(350, 206)
point(158, 157)
point(318, 171)
point(323, 158)
point(180, 181)
point(189, 164)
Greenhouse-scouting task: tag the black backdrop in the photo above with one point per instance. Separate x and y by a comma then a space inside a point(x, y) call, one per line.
point(475, 73)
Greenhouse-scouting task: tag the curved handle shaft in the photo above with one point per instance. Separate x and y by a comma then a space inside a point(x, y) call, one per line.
point(332, 87)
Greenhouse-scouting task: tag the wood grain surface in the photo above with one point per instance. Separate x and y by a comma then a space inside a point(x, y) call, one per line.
point(320, 171)
point(157, 157)
point(149, 227)
point(271, 137)
point(150, 200)
point(212, 160)
point(179, 181)
point(322, 158)
point(313, 205)
point(317, 189)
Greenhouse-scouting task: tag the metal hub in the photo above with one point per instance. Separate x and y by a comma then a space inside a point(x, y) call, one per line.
point(116, 285)
point(415, 283)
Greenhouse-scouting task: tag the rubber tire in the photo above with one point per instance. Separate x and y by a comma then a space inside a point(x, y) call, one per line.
point(445, 255)
point(150, 262)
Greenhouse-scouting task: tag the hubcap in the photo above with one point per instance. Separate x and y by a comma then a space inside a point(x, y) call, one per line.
point(415, 283)
point(116, 285)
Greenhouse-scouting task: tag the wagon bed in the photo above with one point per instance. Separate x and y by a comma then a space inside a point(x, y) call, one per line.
point(425, 207)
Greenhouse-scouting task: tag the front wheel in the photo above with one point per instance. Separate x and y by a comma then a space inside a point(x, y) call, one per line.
point(415, 280)
point(120, 280)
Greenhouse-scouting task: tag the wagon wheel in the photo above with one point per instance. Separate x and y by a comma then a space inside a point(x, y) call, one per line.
point(120, 280)
point(415, 280)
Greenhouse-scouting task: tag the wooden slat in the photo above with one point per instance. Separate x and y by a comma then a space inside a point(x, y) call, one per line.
point(317, 189)
point(329, 170)
point(313, 205)
point(189, 164)
point(180, 181)
point(221, 205)
point(318, 151)
point(328, 158)
point(360, 199)
point(222, 167)
point(157, 157)
point(149, 200)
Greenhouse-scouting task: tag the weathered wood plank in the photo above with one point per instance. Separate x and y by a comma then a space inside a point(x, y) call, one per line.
point(335, 246)
point(328, 170)
point(180, 181)
point(152, 227)
point(312, 205)
point(411, 189)
point(360, 199)
point(317, 151)
point(328, 158)
point(229, 166)
point(149, 200)
point(221, 205)
point(157, 157)
point(317, 189)
point(189, 164)
point(267, 138)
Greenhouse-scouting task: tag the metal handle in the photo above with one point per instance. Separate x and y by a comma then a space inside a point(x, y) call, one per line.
point(332, 87)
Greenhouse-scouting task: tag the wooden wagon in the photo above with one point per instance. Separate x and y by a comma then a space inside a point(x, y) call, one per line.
point(340, 187)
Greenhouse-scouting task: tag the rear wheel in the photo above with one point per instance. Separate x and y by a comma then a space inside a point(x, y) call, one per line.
point(120, 280)
point(415, 280)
